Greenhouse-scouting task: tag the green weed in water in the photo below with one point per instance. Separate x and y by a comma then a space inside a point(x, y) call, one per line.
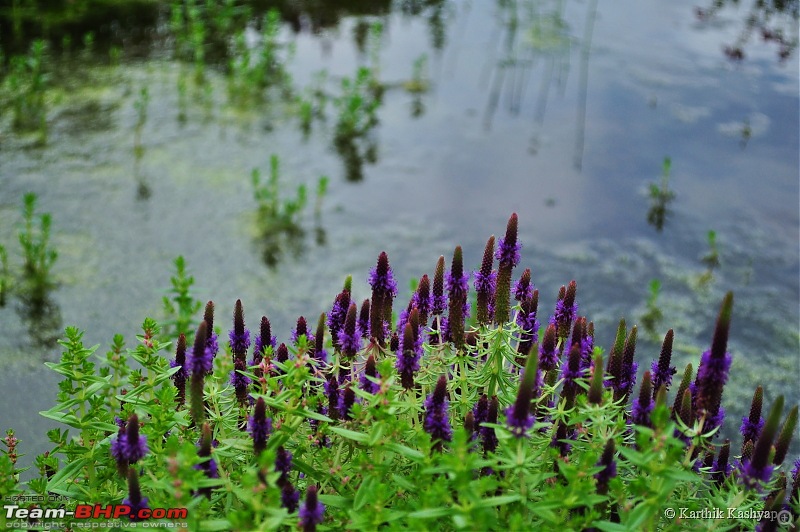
point(25, 90)
point(653, 315)
point(5, 276)
point(39, 256)
point(180, 306)
point(660, 198)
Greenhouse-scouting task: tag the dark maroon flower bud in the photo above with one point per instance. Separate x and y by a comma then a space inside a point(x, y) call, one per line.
point(384, 288)
point(485, 280)
point(408, 358)
point(661, 370)
point(200, 363)
point(363, 319)
point(394, 342)
point(264, 340)
point(508, 257)
point(624, 385)
point(302, 330)
point(135, 502)
point(684, 385)
point(208, 316)
point(423, 300)
point(347, 399)
point(721, 468)
point(179, 378)
point(457, 287)
point(282, 353)
point(349, 335)
point(332, 394)
point(312, 512)
point(239, 336)
point(439, 301)
point(712, 374)
point(528, 324)
point(518, 416)
point(614, 368)
point(785, 437)
point(571, 373)
point(319, 340)
point(129, 447)
point(752, 424)
point(747, 452)
point(370, 371)
point(336, 316)
point(643, 405)
point(469, 424)
point(488, 436)
point(548, 351)
point(523, 289)
point(609, 470)
point(757, 470)
point(209, 467)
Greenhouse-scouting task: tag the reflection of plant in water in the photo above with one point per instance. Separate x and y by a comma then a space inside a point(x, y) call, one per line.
point(24, 89)
point(251, 71)
point(653, 316)
point(357, 107)
point(180, 306)
point(38, 255)
point(42, 318)
point(5, 276)
point(660, 198)
point(140, 105)
point(278, 218)
point(710, 260)
point(774, 22)
point(418, 85)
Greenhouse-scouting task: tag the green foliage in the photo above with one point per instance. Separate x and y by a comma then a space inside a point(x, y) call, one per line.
point(39, 256)
point(5, 276)
point(660, 198)
point(24, 89)
point(653, 315)
point(180, 306)
point(274, 211)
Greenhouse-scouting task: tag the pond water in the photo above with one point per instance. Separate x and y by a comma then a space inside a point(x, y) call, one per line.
point(560, 111)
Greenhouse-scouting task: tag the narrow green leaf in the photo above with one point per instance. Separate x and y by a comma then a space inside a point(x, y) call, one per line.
point(350, 434)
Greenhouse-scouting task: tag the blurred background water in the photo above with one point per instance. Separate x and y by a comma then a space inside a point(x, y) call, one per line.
point(561, 111)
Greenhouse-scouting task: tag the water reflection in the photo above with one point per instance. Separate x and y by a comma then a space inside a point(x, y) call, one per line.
point(41, 316)
point(775, 22)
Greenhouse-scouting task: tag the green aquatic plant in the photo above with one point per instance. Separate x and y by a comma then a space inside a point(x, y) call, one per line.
point(39, 255)
point(25, 89)
point(5, 276)
point(273, 210)
point(660, 198)
point(653, 315)
point(710, 260)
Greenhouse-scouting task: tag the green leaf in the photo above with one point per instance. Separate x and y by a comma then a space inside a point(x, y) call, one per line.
point(335, 501)
point(408, 452)
point(350, 434)
point(65, 475)
point(608, 526)
point(364, 492)
point(216, 524)
point(640, 514)
point(430, 513)
point(62, 417)
point(498, 501)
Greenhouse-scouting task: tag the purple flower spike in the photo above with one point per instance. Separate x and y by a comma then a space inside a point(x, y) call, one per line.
point(264, 340)
point(289, 497)
point(129, 447)
point(488, 436)
point(283, 463)
point(179, 378)
point(566, 310)
point(757, 469)
point(370, 371)
point(302, 330)
point(548, 352)
point(439, 300)
point(201, 359)
point(528, 324)
point(518, 416)
point(661, 370)
point(457, 287)
point(312, 511)
point(485, 282)
point(347, 399)
point(363, 319)
point(384, 288)
point(349, 335)
point(134, 501)
point(508, 247)
point(260, 426)
point(643, 405)
point(332, 393)
point(423, 300)
point(437, 421)
point(752, 424)
point(338, 312)
point(712, 374)
point(209, 467)
point(239, 337)
point(523, 289)
point(721, 468)
point(408, 356)
point(508, 256)
point(609, 470)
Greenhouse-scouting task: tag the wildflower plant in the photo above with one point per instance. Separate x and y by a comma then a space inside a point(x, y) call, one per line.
point(409, 429)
